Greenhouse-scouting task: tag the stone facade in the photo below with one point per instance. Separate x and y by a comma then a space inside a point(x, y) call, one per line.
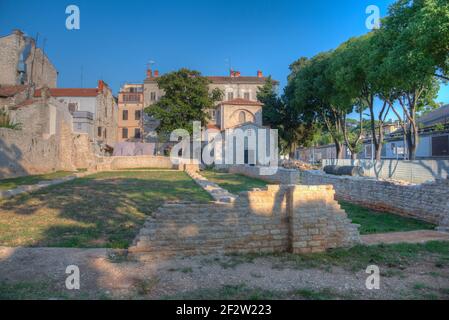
point(427, 201)
point(297, 219)
point(22, 63)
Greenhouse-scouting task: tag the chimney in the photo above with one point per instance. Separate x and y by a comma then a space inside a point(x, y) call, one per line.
point(149, 73)
point(231, 73)
point(259, 74)
point(156, 73)
point(100, 86)
point(235, 74)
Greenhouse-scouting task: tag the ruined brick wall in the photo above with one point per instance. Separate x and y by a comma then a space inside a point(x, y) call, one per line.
point(297, 219)
point(37, 67)
point(45, 142)
point(427, 201)
point(10, 46)
point(107, 115)
point(43, 73)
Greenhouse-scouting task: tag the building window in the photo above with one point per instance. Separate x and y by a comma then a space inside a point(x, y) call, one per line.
point(125, 133)
point(246, 96)
point(73, 106)
point(105, 135)
point(137, 115)
point(99, 130)
point(125, 115)
point(242, 117)
point(79, 125)
point(230, 96)
point(137, 133)
point(153, 96)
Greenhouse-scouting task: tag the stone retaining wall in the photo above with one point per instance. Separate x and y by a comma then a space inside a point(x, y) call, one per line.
point(297, 219)
point(273, 175)
point(133, 162)
point(427, 201)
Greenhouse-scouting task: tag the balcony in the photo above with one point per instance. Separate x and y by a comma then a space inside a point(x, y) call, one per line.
point(83, 115)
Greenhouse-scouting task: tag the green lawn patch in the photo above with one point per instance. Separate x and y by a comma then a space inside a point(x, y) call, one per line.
point(382, 222)
point(102, 210)
point(392, 257)
point(7, 184)
point(234, 183)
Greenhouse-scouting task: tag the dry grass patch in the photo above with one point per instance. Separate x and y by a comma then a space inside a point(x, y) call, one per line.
point(102, 210)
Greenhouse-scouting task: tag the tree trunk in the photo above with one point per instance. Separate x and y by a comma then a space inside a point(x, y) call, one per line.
point(338, 149)
point(353, 155)
point(379, 144)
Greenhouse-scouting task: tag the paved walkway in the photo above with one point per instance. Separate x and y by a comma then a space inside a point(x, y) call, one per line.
point(420, 236)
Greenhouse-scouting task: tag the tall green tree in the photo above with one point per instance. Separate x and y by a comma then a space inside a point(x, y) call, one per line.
point(312, 90)
point(279, 114)
point(187, 99)
point(411, 66)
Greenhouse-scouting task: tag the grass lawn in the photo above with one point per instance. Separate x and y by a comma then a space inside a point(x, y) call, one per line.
point(392, 257)
point(234, 183)
point(102, 210)
point(382, 222)
point(7, 184)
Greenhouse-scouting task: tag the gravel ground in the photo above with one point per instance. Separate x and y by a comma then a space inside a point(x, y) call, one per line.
point(111, 274)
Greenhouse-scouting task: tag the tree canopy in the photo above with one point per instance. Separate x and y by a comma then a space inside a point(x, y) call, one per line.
point(187, 99)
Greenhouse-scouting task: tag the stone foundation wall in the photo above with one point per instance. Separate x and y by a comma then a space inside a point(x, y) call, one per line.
point(427, 201)
point(297, 219)
point(273, 175)
point(133, 162)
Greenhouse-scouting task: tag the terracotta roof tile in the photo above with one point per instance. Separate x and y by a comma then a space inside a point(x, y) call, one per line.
point(242, 102)
point(241, 79)
point(70, 92)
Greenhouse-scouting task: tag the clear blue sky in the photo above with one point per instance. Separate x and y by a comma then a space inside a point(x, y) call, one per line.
point(118, 38)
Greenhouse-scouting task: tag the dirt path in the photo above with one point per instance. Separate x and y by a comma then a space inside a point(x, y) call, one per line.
point(419, 236)
point(109, 274)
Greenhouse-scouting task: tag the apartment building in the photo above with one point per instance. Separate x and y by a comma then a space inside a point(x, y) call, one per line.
point(94, 111)
point(239, 104)
point(130, 113)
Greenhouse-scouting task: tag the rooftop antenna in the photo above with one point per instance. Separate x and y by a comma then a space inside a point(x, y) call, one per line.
point(228, 62)
point(150, 64)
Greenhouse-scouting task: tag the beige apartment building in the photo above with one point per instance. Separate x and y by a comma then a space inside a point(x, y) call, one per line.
point(130, 115)
point(239, 104)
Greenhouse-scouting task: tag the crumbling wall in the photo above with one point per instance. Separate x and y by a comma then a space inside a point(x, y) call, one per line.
point(296, 219)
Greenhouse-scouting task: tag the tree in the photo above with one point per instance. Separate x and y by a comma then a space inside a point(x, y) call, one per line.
point(312, 90)
point(187, 99)
point(280, 115)
point(410, 66)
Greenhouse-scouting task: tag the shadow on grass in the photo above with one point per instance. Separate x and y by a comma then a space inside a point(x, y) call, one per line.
point(103, 210)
